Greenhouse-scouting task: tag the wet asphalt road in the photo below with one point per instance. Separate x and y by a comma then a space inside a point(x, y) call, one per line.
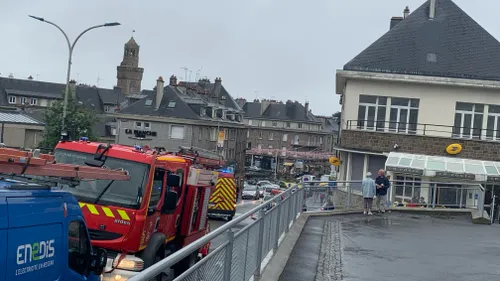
point(398, 247)
point(241, 208)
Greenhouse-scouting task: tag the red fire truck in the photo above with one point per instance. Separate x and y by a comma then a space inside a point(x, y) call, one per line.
point(160, 210)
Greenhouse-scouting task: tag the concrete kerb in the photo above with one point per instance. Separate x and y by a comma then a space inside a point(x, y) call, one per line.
point(275, 267)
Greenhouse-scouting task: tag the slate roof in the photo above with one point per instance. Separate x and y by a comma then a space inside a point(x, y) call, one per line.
point(18, 117)
point(92, 97)
point(189, 98)
point(450, 45)
point(289, 111)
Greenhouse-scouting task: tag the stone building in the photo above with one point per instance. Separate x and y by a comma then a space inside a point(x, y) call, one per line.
point(186, 114)
point(287, 132)
point(129, 74)
point(423, 101)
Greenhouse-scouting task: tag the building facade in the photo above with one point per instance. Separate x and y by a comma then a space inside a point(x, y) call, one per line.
point(287, 132)
point(423, 102)
point(201, 114)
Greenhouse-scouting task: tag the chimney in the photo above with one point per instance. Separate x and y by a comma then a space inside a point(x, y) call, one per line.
point(217, 86)
point(160, 84)
point(406, 12)
point(432, 9)
point(306, 105)
point(264, 104)
point(72, 88)
point(173, 80)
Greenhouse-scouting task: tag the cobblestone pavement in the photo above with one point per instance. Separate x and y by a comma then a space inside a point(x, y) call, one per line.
point(394, 247)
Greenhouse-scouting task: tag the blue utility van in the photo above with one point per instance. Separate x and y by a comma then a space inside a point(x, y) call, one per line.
point(43, 236)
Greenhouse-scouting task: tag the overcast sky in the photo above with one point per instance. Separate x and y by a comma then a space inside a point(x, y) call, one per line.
point(280, 49)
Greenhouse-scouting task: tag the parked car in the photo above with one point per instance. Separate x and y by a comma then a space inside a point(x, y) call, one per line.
point(250, 192)
point(266, 183)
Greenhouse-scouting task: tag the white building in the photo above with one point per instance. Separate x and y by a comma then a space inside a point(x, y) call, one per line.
point(431, 81)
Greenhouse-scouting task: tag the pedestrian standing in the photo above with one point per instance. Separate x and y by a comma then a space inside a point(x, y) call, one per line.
point(369, 190)
point(382, 184)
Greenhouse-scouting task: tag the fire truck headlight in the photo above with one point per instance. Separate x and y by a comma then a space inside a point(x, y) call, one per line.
point(129, 263)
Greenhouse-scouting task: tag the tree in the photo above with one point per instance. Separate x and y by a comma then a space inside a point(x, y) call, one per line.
point(336, 116)
point(79, 122)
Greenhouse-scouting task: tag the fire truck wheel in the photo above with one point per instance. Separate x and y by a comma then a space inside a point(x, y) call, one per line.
point(185, 264)
point(229, 218)
point(154, 251)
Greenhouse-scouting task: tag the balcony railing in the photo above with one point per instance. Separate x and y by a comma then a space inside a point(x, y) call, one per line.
point(424, 129)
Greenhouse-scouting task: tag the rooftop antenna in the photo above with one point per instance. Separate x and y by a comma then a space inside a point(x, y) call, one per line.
point(190, 75)
point(133, 32)
point(256, 94)
point(37, 76)
point(98, 79)
point(185, 72)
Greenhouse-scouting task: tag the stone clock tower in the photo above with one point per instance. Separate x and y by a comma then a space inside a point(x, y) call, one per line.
point(129, 74)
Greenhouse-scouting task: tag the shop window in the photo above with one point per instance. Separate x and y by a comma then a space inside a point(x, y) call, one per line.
point(407, 189)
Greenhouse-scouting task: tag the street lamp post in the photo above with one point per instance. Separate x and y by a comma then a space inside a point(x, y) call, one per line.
point(71, 47)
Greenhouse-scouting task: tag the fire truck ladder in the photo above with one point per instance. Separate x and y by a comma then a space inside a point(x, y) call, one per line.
point(42, 167)
point(201, 156)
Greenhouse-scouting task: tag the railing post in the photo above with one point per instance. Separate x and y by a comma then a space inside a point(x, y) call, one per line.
point(434, 196)
point(295, 205)
point(348, 203)
point(228, 256)
point(257, 276)
point(277, 232)
point(287, 215)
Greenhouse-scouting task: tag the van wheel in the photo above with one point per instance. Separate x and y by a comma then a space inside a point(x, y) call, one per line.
point(229, 218)
point(185, 264)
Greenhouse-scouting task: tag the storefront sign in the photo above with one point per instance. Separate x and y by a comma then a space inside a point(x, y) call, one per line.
point(494, 178)
point(456, 175)
point(404, 170)
point(140, 133)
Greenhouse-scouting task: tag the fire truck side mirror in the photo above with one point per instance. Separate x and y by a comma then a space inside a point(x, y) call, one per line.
point(173, 180)
point(170, 202)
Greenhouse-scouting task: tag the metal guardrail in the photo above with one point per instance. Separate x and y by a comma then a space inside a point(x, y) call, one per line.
point(244, 253)
point(322, 195)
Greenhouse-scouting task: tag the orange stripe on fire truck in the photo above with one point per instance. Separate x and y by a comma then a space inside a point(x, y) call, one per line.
point(104, 211)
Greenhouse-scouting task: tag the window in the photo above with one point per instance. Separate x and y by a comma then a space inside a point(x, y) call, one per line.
point(203, 111)
point(138, 125)
point(285, 137)
point(259, 146)
point(171, 104)
point(260, 134)
point(275, 124)
point(33, 101)
point(493, 124)
point(407, 189)
point(263, 124)
point(113, 132)
point(158, 184)
point(270, 147)
point(371, 112)
point(250, 121)
point(404, 115)
point(147, 126)
point(248, 133)
point(12, 99)
point(176, 132)
point(78, 247)
point(320, 140)
point(468, 120)
point(23, 100)
point(296, 139)
point(300, 125)
point(232, 134)
point(288, 125)
point(271, 135)
point(213, 134)
point(148, 102)
point(226, 135)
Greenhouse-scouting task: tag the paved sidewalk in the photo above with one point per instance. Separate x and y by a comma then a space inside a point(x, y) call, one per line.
point(394, 247)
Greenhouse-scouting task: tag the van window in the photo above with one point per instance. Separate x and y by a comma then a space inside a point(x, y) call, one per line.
point(78, 247)
point(158, 182)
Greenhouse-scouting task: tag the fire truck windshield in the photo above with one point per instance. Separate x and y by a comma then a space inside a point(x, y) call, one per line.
point(126, 194)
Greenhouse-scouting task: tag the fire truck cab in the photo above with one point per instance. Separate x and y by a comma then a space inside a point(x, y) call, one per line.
point(160, 210)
